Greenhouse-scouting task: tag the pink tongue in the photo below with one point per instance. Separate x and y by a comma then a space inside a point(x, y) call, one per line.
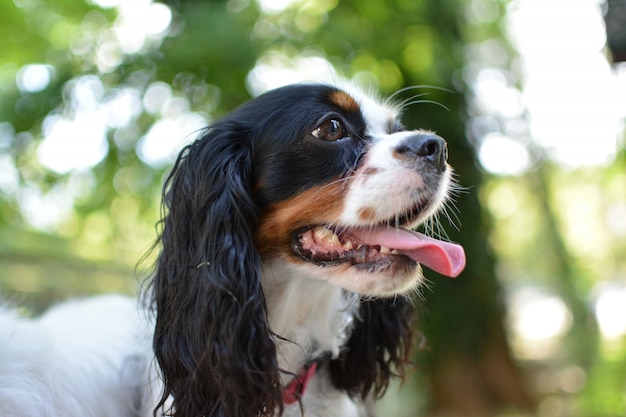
point(443, 257)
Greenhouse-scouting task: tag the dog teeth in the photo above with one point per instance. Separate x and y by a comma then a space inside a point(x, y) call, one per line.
point(326, 236)
point(322, 232)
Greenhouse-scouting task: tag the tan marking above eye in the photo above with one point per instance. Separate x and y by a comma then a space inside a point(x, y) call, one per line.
point(344, 101)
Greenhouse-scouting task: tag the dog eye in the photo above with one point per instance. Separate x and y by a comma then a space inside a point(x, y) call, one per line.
point(331, 130)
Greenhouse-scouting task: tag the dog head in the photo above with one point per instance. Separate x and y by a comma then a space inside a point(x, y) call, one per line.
point(341, 187)
point(324, 181)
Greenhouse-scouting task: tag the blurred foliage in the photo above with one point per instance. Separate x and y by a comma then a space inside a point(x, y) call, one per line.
point(136, 77)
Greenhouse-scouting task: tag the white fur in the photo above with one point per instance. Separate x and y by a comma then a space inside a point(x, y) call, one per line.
point(315, 317)
point(93, 358)
point(85, 358)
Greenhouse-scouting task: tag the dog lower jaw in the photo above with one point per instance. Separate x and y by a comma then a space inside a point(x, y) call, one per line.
point(393, 280)
point(368, 280)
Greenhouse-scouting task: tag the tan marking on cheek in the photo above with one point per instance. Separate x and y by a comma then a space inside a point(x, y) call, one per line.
point(399, 156)
point(344, 101)
point(367, 214)
point(318, 205)
point(370, 171)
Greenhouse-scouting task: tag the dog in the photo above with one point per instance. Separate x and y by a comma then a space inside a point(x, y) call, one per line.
point(283, 280)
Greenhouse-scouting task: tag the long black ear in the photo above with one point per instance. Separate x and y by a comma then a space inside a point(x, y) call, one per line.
point(379, 348)
point(212, 340)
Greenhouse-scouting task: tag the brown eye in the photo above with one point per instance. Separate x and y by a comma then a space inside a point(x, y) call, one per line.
point(331, 130)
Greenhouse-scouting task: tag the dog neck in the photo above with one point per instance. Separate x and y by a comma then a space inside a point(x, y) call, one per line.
point(310, 318)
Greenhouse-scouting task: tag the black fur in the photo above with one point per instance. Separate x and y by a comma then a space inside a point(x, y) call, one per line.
point(212, 339)
point(379, 348)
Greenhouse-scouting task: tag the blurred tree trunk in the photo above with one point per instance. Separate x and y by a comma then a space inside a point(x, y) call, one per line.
point(468, 361)
point(614, 19)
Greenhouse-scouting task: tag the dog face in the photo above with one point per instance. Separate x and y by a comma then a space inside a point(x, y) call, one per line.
point(305, 183)
point(336, 172)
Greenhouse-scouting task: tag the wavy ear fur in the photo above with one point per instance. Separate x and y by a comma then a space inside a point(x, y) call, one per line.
point(379, 348)
point(212, 340)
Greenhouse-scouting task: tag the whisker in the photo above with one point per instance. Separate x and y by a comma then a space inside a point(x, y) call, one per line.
point(338, 180)
point(456, 189)
point(402, 103)
point(418, 292)
point(441, 231)
point(453, 219)
point(436, 228)
point(451, 210)
point(425, 102)
point(429, 226)
point(415, 87)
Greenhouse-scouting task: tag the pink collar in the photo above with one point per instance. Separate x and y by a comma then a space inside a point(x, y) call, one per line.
point(294, 391)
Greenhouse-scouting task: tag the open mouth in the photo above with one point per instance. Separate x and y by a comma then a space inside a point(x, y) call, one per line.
point(327, 246)
point(376, 247)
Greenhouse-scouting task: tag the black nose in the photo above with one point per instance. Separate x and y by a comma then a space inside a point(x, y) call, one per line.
point(425, 147)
